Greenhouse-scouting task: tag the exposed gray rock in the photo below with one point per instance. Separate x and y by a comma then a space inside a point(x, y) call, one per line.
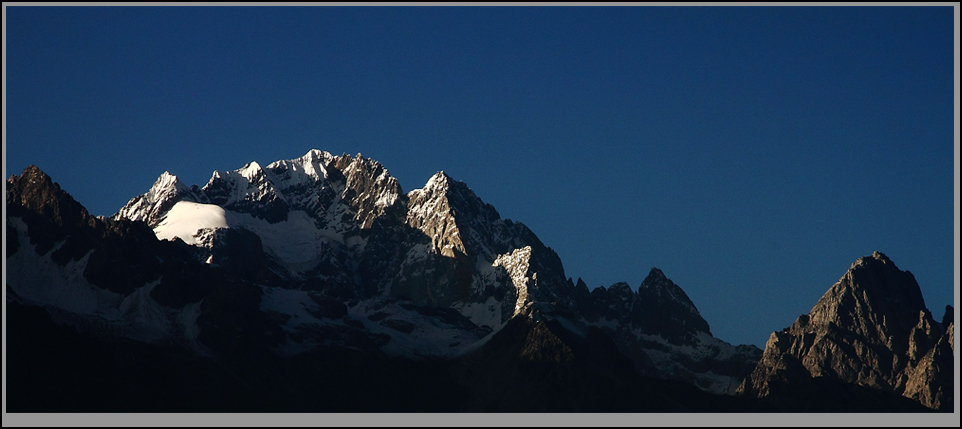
point(870, 329)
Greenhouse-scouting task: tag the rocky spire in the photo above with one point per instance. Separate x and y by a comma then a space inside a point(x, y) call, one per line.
point(870, 329)
point(151, 207)
point(664, 309)
point(40, 201)
point(874, 299)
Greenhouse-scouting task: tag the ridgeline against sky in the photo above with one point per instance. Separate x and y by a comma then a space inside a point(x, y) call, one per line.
point(750, 152)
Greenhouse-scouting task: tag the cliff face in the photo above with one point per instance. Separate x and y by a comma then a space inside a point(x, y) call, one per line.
point(870, 329)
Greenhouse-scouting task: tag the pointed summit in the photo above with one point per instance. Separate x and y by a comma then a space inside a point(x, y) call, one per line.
point(880, 256)
point(316, 155)
point(665, 309)
point(369, 189)
point(873, 299)
point(310, 170)
point(151, 207)
point(166, 180)
point(252, 171)
point(656, 284)
point(655, 277)
point(448, 211)
point(439, 180)
point(34, 191)
point(870, 329)
point(247, 190)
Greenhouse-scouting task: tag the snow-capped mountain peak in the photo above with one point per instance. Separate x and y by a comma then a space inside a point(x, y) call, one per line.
point(165, 182)
point(438, 182)
point(308, 169)
point(252, 171)
point(323, 253)
point(314, 220)
point(151, 207)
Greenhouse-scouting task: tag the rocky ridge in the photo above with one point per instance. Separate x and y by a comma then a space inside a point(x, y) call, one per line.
point(325, 253)
point(870, 329)
point(329, 249)
point(442, 246)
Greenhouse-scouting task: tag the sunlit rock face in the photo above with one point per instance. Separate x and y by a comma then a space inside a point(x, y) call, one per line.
point(871, 329)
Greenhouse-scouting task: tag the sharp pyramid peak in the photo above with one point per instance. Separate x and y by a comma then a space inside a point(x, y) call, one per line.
point(253, 165)
point(873, 298)
point(166, 181)
point(34, 175)
point(655, 276)
point(167, 176)
point(659, 284)
point(439, 180)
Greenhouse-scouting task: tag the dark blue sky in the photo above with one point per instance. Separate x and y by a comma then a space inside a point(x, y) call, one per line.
point(750, 153)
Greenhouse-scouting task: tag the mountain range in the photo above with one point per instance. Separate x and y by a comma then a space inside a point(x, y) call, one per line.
point(316, 285)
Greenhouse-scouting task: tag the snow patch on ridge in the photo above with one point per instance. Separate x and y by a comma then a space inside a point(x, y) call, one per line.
point(419, 335)
point(486, 313)
point(186, 218)
point(666, 357)
point(148, 319)
point(293, 303)
point(296, 243)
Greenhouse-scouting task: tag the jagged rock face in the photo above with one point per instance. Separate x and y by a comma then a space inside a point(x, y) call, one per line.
point(247, 190)
point(427, 273)
point(36, 198)
point(439, 245)
point(370, 190)
point(312, 215)
point(931, 380)
point(465, 256)
point(658, 307)
point(152, 206)
point(368, 241)
point(116, 256)
point(660, 329)
point(948, 321)
point(875, 300)
point(870, 329)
